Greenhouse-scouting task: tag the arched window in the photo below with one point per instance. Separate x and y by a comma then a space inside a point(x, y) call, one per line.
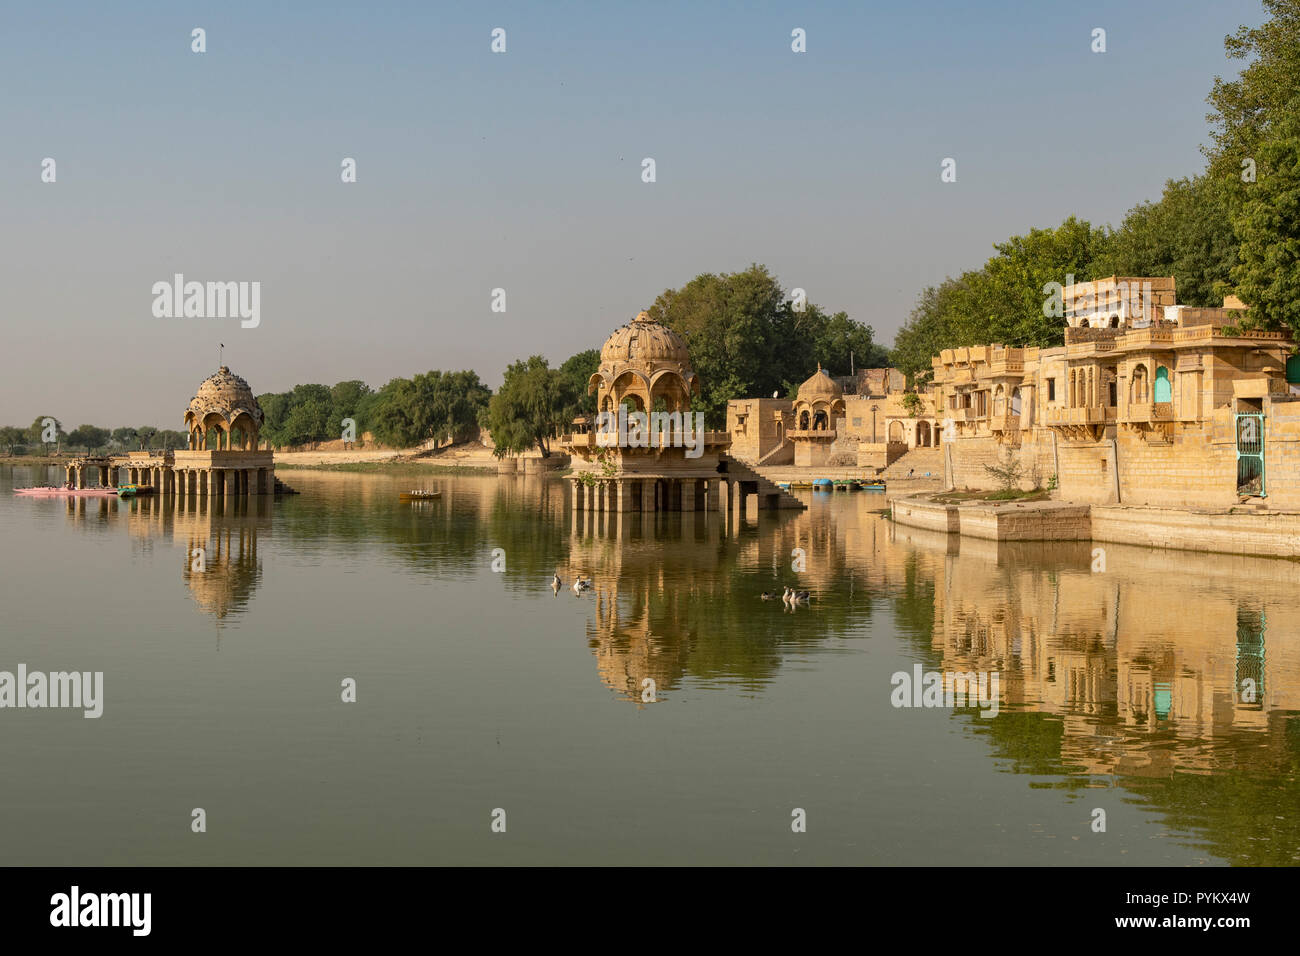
point(803, 420)
point(1163, 391)
point(1139, 392)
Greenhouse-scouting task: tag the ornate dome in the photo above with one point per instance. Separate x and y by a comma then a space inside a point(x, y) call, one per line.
point(644, 361)
point(225, 394)
point(644, 341)
point(821, 387)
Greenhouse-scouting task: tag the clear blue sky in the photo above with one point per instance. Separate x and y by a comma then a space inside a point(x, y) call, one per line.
point(522, 170)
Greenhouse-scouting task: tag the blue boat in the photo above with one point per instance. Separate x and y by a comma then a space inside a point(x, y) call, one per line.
point(823, 484)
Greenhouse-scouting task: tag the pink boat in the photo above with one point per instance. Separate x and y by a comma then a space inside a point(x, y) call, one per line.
point(67, 492)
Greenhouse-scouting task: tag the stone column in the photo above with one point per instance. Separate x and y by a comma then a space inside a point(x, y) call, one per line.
point(688, 494)
point(577, 495)
point(711, 494)
point(647, 495)
point(81, 476)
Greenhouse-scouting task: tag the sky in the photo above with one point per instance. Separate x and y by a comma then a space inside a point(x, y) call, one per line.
point(522, 170)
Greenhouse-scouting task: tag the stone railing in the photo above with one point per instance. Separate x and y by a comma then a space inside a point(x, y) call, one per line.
point(1084, 415)
point(1149, 412)
point(1005, 423)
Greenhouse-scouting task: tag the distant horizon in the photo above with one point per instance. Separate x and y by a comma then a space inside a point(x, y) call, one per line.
point(522, 170)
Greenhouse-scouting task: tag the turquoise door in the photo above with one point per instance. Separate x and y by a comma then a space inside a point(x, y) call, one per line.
point(1163, 393)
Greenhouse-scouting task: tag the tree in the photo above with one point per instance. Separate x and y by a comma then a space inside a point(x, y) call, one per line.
point(88, 437)
point(348, 400)
point(746, 337)
point(1268, 224)
point(38, 432)
point(576, 372)
point(1188, 234)
point(840, 345)
point(124, 437)
point(438, 406)
point(1246, 110)
point(11, 437)
point(145, 435)
point(531, 404)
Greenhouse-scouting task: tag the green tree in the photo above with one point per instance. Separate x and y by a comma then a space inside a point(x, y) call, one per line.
point(746, 337)
point(348, 400)
point(124, 437)
point(37, 432)
point(1247, 109)
point(530, 406)
point(1268, 223)
point(145, 436)
point(10, 437)
point(576, 373)
point(1187, 234)
point(88, 437)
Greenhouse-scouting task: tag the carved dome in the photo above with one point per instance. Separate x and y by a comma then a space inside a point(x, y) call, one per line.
point(644, 341)
point(644, 361)
point(820, 388)
point(224, 394)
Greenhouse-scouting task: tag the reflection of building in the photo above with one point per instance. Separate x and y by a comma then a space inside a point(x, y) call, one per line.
point(218, 538)
point(1111, 654)
point(645, 379)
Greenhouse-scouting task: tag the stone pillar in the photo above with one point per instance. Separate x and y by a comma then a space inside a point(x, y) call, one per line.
point(711, 494)
point(624, 491)
point(688, 494)
point(607, 489)
point(81, 476)
point(647, 495)
point(577, 495)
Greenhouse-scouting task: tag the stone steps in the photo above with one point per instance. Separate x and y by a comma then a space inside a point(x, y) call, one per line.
point(919, 460)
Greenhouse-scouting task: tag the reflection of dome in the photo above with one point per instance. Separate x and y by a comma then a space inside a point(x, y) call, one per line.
point(821, 387)
point(644, 341)
point(643, 362)
point(226, 394)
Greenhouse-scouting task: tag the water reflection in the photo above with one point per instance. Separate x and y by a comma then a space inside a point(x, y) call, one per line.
point(218, 540)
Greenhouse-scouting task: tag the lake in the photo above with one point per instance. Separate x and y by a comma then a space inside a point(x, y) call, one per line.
point(1161, 688)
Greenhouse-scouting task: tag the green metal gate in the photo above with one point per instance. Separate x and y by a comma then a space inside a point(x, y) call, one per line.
point(1250, 454)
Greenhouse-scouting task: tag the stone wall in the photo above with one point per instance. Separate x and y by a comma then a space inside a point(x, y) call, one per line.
point(969, 456)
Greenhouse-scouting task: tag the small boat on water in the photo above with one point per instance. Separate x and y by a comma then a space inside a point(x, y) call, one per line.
point(419, 495)
point(66, 492)
point(133, 491)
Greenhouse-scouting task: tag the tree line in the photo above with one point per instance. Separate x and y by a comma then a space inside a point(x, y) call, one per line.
point(747, 337)
point(1232, 229)
point(86, 439)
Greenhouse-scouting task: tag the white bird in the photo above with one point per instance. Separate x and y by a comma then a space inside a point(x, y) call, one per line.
point(556, 583)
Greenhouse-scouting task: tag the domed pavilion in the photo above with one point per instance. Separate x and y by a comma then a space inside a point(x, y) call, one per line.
point(225, 454)
point(819, 402)
point(648, 451)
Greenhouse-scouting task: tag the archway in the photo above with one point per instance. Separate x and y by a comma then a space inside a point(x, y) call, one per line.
point(923, 434)
point(1162, 392)
point(896, 433)
point(1139, 393)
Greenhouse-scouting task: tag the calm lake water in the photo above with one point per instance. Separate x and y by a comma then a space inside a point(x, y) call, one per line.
point(480, 689)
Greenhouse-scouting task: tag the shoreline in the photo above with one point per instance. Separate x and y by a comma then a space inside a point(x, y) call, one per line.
point(1268, 534)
